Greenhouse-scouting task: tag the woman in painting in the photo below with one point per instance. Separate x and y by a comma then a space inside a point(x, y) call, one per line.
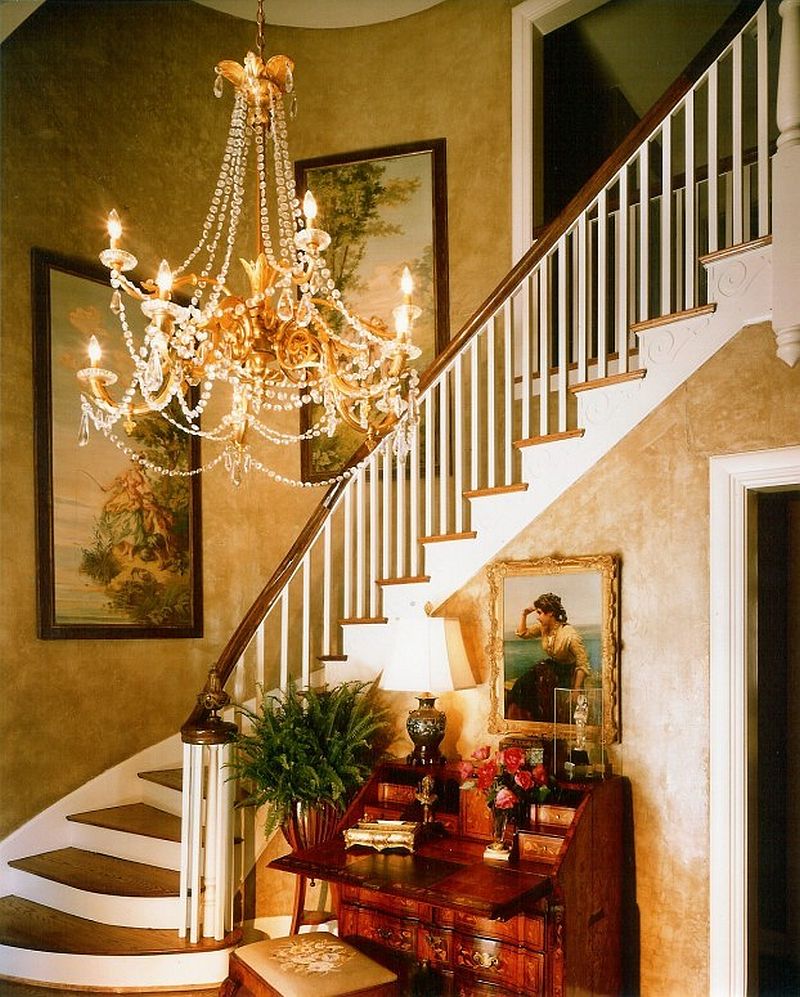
point(565, 665)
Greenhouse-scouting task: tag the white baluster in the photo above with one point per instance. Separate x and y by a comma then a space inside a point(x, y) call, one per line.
point(413, 511)
point(444, 447)
point(666, 215)
point(326, 587)
point(430, 462)
point(689, 210)
point(644, 230)
point(508, 396)
point(474, 409)
point(386, 513)
point(195, 839)
point(305, 653)
point(458, 445)
point(762, 126)
point(400, 518)
point(347, 554)
point(524, 300)
point(284, 657)
point(736, 103)
point(602, 287)
point(624, 275)
point(786, 191)
point(562, 361)
point(713, 159)
point(583, 297)
point(544, 345)
point(373, 535)
point(360, 543)
point(491, 430)
point(261, 667)
point(211, 845)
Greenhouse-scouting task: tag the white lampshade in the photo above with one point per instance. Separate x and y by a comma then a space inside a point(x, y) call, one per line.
point(429, 657)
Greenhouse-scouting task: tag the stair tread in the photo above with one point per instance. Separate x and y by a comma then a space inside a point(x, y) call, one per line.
point(135, 818)
point(171, 778)
point(98, 873)
point(28, 925)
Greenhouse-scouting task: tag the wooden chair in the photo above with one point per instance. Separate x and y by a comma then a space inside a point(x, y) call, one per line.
point(317, 964)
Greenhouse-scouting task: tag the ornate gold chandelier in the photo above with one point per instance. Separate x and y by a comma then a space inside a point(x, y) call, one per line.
point(288, 342)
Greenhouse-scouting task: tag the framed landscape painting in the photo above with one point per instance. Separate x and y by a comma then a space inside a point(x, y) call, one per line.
point(118, 545)
point(384, 209)
point(526, 671)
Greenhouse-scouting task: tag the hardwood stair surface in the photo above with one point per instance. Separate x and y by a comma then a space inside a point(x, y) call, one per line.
point(135, 818)
point(171, 778)
point(9, 988)
point(28, 925)
point(98, 873)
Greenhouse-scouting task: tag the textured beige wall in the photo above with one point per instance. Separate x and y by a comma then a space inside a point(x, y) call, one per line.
point(109, 104)
point(647, 501)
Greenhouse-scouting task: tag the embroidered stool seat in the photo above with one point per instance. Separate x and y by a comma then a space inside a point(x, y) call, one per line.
point(313, 965)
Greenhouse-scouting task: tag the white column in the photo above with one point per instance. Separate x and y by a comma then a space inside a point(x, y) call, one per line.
point(786, 192)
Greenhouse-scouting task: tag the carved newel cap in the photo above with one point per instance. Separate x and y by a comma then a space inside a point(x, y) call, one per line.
point(211, 729)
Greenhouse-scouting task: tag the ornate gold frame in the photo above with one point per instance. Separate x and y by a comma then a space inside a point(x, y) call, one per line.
point(608, 567)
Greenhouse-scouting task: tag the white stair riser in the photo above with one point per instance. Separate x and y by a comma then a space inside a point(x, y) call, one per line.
point(140, 971)
point(131, 912)
point(136, 847)
point(161, 797)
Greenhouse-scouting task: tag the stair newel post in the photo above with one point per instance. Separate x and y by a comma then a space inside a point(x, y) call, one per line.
point(786, 191)
point(207, 840)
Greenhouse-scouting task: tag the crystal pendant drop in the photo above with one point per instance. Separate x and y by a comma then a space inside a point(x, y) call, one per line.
point(116, 302)
point(218, 86)
point(285, 309)
point(83, 432)
point(154, 376)
point(303, 312)
point(292, 106)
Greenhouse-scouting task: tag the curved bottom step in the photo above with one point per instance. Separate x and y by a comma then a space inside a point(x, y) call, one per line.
point(42, 945)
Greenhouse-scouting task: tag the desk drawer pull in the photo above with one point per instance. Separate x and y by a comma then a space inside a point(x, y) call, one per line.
point(480, 960)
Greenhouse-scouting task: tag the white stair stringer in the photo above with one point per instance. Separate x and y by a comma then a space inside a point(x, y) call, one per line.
point(161, 971)
point(740, 284)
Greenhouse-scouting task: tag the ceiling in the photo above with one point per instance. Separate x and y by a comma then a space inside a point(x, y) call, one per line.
point(296, 13)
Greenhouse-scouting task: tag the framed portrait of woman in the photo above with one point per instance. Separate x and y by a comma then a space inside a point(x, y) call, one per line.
point(553, 625)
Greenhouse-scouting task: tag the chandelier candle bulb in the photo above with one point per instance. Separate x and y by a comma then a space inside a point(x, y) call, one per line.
point(94, 350)
point(114, 227)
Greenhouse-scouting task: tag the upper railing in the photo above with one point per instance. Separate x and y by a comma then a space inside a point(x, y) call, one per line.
point(691, 179)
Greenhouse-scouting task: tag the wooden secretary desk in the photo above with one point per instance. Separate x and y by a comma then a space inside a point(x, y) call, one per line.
point(546, 922)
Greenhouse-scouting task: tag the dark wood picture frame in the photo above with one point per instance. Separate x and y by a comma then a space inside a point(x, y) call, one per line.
point(157, 589)
point(418, 171)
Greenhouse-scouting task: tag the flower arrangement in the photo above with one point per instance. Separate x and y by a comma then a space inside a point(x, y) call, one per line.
point(505, 778)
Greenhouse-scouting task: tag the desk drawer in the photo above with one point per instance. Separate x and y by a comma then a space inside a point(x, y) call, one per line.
point(392, 932)
point(489, 959)
point(524, 930)
point(402, 906)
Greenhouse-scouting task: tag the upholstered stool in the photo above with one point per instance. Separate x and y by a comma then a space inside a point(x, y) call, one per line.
point(317, 964)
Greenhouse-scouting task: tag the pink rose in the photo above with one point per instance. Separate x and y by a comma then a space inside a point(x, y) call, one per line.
point(465, 770)
point(523, 779)
point(505, 799)
point(513, 759)
point(540, 776)
point(486, 776)
point(481, 754)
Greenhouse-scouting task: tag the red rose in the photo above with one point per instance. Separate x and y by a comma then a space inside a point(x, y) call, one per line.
point(505, 799)
point(465, 770)
point(540, 776)
point(523, 779)
point(481, 754)
point(486, 775)
point(513, 758)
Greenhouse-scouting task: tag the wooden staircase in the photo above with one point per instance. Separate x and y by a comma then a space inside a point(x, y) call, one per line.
point(104, 907)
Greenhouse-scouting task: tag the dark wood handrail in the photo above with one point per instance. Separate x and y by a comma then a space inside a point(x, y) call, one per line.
point(269, 595)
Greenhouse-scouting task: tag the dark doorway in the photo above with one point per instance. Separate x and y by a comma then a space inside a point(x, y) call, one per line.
point(778, 768)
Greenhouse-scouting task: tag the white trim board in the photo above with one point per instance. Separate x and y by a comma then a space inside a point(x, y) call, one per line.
point(732, 477)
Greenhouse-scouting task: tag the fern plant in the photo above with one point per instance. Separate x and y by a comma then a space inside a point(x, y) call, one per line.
point(308, 748)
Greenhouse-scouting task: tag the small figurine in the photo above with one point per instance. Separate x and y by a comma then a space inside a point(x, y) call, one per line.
point(426, 796)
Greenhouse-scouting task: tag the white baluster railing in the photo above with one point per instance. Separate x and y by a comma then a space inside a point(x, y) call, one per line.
point(693, 178)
